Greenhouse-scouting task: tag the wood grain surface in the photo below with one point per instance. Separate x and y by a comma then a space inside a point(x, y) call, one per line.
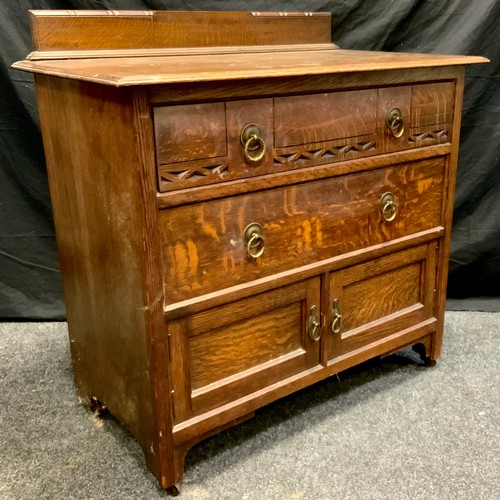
point(379, 296)
point(203, 247)
point(100, 216)
point(111, 29)
point(230, 352)
point(190, 132)
point(198, 68)
point(322, 117)
point(432, 104)
point(199, 144)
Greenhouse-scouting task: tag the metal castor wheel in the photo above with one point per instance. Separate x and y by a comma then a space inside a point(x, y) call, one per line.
point(173, 491)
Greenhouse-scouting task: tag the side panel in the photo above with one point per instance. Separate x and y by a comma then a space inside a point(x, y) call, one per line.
point(99, 211)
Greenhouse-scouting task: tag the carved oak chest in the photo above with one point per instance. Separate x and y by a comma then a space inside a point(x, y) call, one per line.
point(240, 211)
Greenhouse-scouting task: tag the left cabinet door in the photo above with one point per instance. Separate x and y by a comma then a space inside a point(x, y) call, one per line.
point(223, 354)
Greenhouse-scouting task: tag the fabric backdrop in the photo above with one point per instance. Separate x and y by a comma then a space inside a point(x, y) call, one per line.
point(30, 284)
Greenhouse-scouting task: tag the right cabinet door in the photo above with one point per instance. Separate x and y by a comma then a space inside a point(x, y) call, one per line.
point(379, 297)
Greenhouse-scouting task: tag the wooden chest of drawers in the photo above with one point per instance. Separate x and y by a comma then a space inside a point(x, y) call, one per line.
point(241, 213)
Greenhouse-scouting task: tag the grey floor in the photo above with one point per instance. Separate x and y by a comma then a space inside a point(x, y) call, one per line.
point(390, 429)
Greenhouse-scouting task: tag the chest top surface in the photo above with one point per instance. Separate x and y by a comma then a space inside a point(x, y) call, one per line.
point(124, 48)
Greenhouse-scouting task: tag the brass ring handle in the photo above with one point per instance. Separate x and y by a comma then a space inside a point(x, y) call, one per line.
point(261, 146)
point(254, 147)
point(314, 324)
point(337, 317)
point(337, 324)
point(253, 238)
point(395, 123)
point(255, 246)
point(388, 207)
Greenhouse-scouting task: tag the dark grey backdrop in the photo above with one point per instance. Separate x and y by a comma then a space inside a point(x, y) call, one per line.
point(30, 285)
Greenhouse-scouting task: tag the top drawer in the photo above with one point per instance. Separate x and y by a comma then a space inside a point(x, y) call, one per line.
point(200, 144)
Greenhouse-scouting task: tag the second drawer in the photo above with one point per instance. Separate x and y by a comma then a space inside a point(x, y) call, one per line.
point(204, 244)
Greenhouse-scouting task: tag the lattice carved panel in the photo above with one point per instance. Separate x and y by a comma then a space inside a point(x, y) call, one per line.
point(429, 135)
point(317, 154)
point(185, 174)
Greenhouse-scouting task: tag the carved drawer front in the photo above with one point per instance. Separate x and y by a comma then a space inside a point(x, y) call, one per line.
point(214, 245)
point(377, 298)
point(199, 144)
point(323, 128)
point(432, 106)
point(207, 143)
point(229, 352)
point(415, 116)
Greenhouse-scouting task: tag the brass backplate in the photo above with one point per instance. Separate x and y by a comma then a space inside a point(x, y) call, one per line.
point(250, 230)
point(247, 132)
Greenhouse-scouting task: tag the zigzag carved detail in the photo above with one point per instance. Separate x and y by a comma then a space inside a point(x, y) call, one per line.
point(323, 155)
point(181, 173)
point(429, 136)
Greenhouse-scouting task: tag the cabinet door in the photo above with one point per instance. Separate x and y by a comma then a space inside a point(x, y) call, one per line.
point(223, 354)
point(380, 297)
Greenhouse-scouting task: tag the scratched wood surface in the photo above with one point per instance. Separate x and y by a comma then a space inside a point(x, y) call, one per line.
point(100, 234)
point(432, 104)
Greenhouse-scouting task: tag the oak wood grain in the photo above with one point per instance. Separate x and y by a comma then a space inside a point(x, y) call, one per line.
point(240, 348)
point(309, 130)
point(377, 295)
point(39, 55)
point(389, 98)
point(219, 416)
point(447, 214)
point(239, 28)
point(83, 30)
point(110, 29)
point(204, 249)
point(200, 144)
point(190, 132)
point(99, 238)
point(198, 68)
point(296, 176)
point(323, 117)
point(432, 104)
point(163, 459)
point(294, 85)
point(221, 297)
